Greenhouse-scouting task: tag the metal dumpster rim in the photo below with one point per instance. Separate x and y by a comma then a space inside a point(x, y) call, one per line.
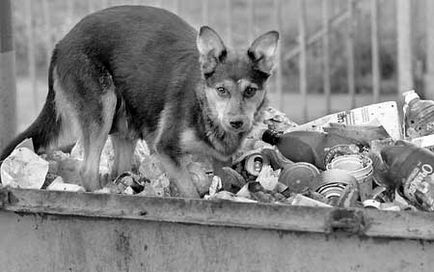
point(362, 222)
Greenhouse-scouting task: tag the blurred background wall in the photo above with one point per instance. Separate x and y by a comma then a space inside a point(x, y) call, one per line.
point(334, 54)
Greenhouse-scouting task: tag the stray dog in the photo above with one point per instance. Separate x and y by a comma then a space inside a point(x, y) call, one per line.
point(135, 72)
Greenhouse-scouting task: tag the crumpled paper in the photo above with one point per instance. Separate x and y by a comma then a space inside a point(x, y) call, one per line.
point(106, 160)
point(225, 195)
point(268, 178)
point(301, 200)
point(24, 169)
point(59, 185)
point(62, 164)
point(216, 185)
point(276, 120)
point(151, 167)
point(161, 186)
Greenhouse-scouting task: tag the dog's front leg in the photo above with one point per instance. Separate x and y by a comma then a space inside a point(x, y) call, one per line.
point(172, 160)
point(179, 174)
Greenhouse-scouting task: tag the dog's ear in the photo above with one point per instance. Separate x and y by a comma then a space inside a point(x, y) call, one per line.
point(211, 49)
point(262, 52)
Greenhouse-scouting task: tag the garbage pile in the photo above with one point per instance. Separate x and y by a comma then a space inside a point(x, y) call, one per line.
point(366, 157)
point(59, 171)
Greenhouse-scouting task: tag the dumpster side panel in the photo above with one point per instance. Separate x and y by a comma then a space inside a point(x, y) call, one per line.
point(31, 242)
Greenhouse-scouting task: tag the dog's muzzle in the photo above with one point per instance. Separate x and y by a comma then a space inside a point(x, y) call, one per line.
point(238, 124)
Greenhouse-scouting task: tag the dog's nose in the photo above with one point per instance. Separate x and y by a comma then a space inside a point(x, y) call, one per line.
point(236, 123)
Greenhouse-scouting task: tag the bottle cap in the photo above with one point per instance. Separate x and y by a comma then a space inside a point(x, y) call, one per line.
point(409, 96)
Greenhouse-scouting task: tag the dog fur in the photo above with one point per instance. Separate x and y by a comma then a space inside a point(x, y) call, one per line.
point(136, 72)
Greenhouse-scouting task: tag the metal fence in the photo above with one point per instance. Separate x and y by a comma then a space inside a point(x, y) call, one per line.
point(300, 105)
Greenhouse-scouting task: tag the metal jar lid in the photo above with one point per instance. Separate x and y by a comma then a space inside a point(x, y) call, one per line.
point(299, 176)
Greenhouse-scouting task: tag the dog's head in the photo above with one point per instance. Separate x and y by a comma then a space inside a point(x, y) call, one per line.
point(235, 81)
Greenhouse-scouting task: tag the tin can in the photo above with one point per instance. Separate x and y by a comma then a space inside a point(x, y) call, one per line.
point(298, 176)
point(253, 163)
point(360, 167)
point(334, 185)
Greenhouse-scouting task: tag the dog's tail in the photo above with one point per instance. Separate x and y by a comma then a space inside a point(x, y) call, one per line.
point(46, 127)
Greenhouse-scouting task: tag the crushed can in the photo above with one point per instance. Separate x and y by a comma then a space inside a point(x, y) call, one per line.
point(254, 162)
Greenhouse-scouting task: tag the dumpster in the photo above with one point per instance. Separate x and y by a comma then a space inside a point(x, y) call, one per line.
point(66, 231)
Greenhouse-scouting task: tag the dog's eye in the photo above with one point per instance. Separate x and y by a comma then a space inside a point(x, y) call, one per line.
point(250, 92)
point(222, 91)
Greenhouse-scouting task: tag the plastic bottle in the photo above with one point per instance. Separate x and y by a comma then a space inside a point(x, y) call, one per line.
point(306, 146)
point(418, 115)
point(411, 167)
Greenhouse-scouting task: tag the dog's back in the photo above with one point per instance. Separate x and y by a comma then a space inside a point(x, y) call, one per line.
point(142, 72)
point(146, 50)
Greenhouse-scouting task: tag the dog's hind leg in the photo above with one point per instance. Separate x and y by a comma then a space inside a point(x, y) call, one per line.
point(124, 141)
point(91, 94)
point(85, 95)
point(94, 138)
point(124, 151)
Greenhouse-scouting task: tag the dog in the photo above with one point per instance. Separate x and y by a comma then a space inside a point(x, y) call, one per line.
point(136, 72)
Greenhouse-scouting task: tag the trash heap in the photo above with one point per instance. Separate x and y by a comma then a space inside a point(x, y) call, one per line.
point(368, 157)
point(60, 171)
